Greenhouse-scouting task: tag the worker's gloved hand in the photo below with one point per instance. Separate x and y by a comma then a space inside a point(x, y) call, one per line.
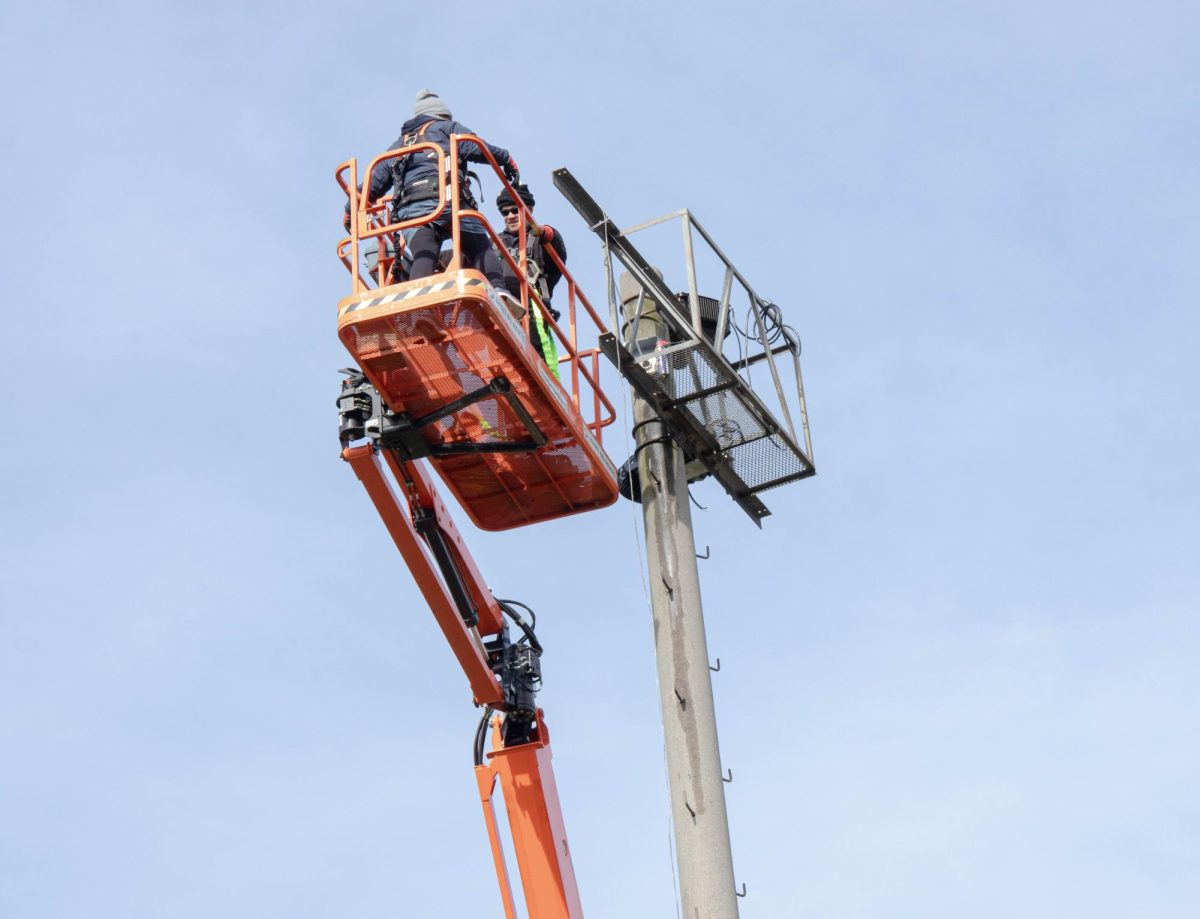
point(555, 313)
point(546, 232)
point(511, 172)
point(346, 220)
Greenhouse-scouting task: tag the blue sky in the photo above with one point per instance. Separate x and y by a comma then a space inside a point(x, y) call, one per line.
point(958, 667)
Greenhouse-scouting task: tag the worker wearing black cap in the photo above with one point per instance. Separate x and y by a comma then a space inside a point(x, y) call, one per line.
point(541, 270)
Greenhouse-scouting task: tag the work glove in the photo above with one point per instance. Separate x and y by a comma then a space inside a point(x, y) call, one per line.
point(511, 172)
point(346, 220)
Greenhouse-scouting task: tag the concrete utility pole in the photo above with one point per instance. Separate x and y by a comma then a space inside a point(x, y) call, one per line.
point(701, 824)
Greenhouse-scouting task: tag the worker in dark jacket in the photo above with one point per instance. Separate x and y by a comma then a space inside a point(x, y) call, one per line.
point(413, 181)
point(540, 268)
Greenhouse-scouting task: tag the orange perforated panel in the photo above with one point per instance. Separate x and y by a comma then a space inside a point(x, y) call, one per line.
point(424, 344)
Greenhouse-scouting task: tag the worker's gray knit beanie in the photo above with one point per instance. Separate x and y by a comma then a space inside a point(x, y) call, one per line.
point(430, 103)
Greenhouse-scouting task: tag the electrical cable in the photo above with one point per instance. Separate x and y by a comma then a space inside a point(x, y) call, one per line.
point(532, 614)
point(664, 439)
point(507, 607)
point(481, 734)
point(772, 320)
point(792, 339)
point(630, 436)
point(627, 407)
point(741, 351)
point(641, 424)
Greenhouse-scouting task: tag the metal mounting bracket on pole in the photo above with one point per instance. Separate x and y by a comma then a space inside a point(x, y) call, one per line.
point(708, 405)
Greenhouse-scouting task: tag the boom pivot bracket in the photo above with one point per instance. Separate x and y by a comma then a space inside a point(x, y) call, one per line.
point(363, 413)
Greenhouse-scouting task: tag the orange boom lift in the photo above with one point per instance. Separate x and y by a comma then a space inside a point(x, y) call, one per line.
point(463, 386)
point(448, 379)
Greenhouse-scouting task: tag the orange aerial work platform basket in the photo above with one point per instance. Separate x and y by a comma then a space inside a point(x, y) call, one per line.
point(455, 366)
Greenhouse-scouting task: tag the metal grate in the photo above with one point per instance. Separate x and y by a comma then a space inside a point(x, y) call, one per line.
point(712, 412)
point(768, 462)
point(695, 381)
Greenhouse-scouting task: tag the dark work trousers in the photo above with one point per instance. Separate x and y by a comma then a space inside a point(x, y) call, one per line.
point(426, 242)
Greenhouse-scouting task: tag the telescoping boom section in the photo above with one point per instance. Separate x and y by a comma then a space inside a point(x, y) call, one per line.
point(504, 676)
point(452, 359)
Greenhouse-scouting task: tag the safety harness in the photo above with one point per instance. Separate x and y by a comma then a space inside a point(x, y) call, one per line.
point(427, 189)
point(535, 268)
point(535, 262)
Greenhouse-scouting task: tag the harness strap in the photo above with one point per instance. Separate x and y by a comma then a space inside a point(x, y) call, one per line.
point(420, 132)
point(408, 140)
point(426, 189)
point(545, 341)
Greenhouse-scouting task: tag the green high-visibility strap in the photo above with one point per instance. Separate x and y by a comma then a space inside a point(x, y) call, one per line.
point(546, 341)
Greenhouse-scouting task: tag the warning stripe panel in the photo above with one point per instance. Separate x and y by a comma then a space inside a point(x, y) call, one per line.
point(406, 295)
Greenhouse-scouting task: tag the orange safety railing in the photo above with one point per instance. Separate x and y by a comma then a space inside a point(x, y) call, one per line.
point(371, 220)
